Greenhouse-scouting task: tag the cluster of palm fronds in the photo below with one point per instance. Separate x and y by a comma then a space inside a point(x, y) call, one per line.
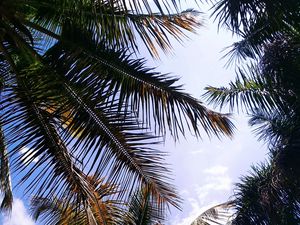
point(73, 93)
point(268, 90)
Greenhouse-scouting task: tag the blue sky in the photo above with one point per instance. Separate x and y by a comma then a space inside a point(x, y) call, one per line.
point(204, 170)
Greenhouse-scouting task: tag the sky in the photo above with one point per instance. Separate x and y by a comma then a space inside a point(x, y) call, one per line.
point(206, 170)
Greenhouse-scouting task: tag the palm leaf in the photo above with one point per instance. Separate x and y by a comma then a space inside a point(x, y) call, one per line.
point(5, 176)
point(245, 92)
point(272, 127)
point(262, 198)
point(143, 209)
point(110, 144)
point(258, 23)
point(114, 22)
point(219, 214)
point(141, 89)
point(65, 175)
point(58, 211)
point(242, 14)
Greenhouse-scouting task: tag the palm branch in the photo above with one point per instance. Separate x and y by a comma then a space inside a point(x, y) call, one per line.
point(144, 209)
point(141, 209)
point(263, 197)
point(113, 21)
point(246, 92)
point(272, 84)
point(218, 214)
point(60, 211)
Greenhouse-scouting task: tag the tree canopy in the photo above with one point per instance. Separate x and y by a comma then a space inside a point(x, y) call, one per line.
point(75, 95)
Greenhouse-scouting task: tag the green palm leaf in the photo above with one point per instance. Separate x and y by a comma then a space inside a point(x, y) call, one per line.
point(142, 89)
point(245, 92)
point(109, 143)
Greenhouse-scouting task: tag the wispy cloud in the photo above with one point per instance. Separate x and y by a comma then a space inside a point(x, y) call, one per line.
point(19, 215)
point(216, 170)
point(198, 151)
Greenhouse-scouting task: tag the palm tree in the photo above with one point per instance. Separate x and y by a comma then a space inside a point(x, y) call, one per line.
point(257, 23)
point(103, 208)
point(269, 195)
point(270, 94)
point(73, 93)
point(268, 90)
point(142, 208)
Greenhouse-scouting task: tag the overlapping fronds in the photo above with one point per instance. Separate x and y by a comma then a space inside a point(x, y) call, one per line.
point(272, 127)
point(139, 89)
point(106, 142)
point(113, 21)
point(265, 197)
point(272, 84)
point(73, 95)
point(60, 211)
point(257, 22)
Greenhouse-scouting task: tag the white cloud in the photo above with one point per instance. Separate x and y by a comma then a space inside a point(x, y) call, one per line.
point(216, 180)
point(19, 215)
point(195, 152)
point(216, 183)
point(216, 170)
point(27, 154)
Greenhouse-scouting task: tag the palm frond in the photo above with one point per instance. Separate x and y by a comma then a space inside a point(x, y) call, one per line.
point(31, 126)
point(220, 214)
point(143, 208)
point(114, 22)
point(159, 27)
point(142, 89)
point(257, 24)
point(59, 211)
point(272, 127)
point(53, 211)
point(242, 14)
point(65, 175)
point(245, 93)
point(110, 144)
point(5, 173)
point(261, 198)
point(271, 84)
